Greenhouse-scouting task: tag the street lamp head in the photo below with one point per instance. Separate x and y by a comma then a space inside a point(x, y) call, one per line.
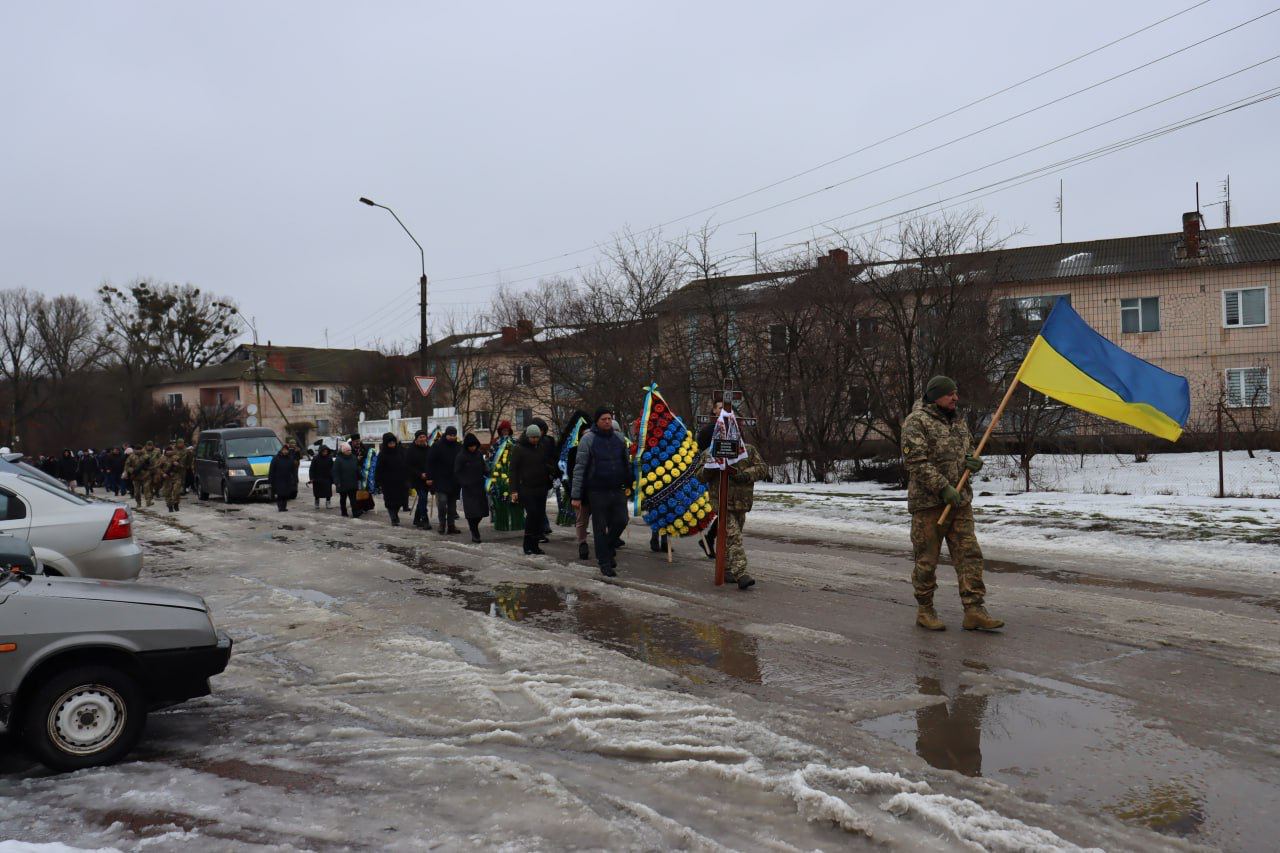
point(369, 202)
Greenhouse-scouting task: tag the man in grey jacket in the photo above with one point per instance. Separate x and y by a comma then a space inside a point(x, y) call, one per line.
point(600, 474)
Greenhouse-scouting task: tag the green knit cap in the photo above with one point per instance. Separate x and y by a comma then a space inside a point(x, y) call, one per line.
point(939, 386)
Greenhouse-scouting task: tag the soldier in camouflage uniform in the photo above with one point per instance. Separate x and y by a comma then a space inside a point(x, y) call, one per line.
point(937, 449)
point(187, 460)
point(742, 478)
point(172, 477)
point(139, 470)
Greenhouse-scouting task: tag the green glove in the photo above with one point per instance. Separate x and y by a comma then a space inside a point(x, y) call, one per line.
point(950, 496)
point(973, 463)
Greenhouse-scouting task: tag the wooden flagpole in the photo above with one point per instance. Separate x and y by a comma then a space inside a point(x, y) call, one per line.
point(995, 418)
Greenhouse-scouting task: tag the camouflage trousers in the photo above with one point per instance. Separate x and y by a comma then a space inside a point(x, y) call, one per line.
point(142, 490)
point(735, 555)
point(172, 491)
point(962, 545)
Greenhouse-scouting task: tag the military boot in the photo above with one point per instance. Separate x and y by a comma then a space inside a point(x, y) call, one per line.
point(927, 617)
point(977, 618)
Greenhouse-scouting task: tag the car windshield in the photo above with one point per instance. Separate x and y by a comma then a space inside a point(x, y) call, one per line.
point(257, 445)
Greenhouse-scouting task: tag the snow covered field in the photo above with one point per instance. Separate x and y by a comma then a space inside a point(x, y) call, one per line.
point(1112, 516)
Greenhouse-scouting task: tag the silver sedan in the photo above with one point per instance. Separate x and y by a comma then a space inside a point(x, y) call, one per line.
point(72, 536)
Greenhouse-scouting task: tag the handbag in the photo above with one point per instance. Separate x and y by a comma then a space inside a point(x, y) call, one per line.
point(364, 500)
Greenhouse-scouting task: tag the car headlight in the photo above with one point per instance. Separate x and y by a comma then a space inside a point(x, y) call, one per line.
point(236, 472)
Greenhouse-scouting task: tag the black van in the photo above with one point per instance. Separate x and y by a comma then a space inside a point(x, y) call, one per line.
point(234, 462)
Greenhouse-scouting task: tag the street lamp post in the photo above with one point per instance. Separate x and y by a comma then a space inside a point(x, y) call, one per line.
point(422, 304)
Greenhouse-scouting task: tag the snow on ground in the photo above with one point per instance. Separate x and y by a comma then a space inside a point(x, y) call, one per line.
point(1117, 511)
point(365, 707)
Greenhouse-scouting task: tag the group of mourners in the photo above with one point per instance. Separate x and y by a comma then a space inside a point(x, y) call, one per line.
point(453, 476)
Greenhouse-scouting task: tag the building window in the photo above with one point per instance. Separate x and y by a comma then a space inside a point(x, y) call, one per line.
point(1025, 314)
point(174, 400)
point(524, 417)
point(524, 374)
point(1248, 387)
point(322, 426)
point(222, 399)
point(344, 394)
point(779, 339)
point(780, 406)
point(867, 329)
point(482, 420)
point(1140, 315)
point(297, 396)
point(1244, 307)
point(480, 380)
point(321, 394)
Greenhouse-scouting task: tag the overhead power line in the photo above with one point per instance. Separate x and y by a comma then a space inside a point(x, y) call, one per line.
point(393, 304)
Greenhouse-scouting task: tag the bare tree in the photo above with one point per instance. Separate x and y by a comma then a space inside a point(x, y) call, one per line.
point(19, 354)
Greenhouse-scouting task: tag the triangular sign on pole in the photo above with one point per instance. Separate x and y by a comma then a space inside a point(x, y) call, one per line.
point(425, 384)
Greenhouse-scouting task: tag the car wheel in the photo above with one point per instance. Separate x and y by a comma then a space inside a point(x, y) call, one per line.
point(84, 717)
point(226, 492)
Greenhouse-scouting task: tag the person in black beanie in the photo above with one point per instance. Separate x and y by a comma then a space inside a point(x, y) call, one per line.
point(440, 461)
point(416, 455)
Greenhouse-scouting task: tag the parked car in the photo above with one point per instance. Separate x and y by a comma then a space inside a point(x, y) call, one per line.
point(234, 462)
point(82, 662)
point(71, 535)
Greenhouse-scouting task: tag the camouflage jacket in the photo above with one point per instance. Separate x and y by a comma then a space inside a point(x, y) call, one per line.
point(742, 479)
point(934, 445)
point(139, 463)
point(166, 466)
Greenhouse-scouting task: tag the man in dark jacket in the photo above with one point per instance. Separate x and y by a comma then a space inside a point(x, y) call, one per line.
point(322, 476)
point(440, 461)
point(601, 472)
point(419, 479)
point(112, 469)
point(531, 478)
point(89, 470)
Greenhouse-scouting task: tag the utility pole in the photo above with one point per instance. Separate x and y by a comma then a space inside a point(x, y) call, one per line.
point(1059, 206)
point(425, 411)
point(755, 247)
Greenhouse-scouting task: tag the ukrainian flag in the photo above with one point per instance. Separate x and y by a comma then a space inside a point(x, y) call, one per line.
point(1073, 364)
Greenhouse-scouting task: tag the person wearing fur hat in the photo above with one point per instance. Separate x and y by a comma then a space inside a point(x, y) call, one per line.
point(936, 449)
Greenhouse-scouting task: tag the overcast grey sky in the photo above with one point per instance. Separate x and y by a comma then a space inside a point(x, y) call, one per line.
point(225, 144)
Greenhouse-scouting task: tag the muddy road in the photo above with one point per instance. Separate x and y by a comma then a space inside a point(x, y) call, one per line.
point(532, 703)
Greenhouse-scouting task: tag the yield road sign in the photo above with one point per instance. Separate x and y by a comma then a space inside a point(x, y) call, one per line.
point(425, 384)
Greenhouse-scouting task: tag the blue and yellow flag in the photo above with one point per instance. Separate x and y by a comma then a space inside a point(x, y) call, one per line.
point(1073, 364)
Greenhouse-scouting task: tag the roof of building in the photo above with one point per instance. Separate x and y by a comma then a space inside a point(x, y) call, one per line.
point(1252, 244)
point(1244, 244)
point(276, 364)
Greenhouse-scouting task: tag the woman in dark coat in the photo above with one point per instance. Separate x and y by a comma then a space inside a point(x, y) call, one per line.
point(68, 467)
point(322, 476)
point(283, 478)
point(470, 470)
point(531, 478)
point(392, 476)
point(346, 479)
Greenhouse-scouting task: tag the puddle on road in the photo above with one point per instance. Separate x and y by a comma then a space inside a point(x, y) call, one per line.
point(687, 646)
point(1085, 747)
